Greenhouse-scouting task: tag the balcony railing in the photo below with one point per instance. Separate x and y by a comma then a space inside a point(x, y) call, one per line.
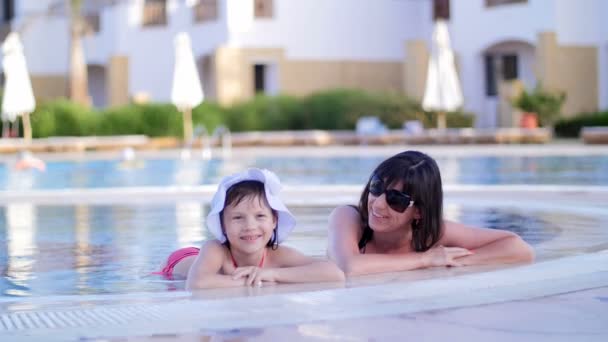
point(492, 3)
point(154, 13)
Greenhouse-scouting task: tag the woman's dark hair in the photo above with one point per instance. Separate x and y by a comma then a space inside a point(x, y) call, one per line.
point(238, 192)
point(422, 181)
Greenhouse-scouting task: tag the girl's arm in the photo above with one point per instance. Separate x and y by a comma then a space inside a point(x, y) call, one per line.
point(299, 268)
point(487, 245)
point(344, 234)
point(205, 271)
point(293, 267)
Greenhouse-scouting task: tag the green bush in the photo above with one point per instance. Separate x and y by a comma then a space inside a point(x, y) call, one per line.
point(330, 110)
point(63, 118)
point(547, 105)
point(571, 127)
point(209, 114)
point(341, 108)
point(154, 120)
point(453, 119)
point(264, 113)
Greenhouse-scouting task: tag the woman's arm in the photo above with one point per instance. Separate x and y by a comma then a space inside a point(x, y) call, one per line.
point(487, 245)
point(343, 240)
point(205, 271)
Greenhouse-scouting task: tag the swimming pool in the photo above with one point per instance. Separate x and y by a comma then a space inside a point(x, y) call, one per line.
point(301, 170)
point(77, 247)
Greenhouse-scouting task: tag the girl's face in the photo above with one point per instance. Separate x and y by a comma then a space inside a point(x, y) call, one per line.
point(249, 224)
point(382, 218)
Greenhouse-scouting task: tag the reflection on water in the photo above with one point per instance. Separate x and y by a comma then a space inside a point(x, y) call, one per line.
point(93, 249)
point(570, 170)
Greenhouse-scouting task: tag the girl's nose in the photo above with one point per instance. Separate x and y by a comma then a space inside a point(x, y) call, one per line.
point(250, 223)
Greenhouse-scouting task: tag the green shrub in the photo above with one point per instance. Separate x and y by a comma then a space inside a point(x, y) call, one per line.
point(209, 114)
point(453, 119)
point(341, 108)
point(63, 118)
point(338, 109)
point(547, 105)
point(571, 127)
point(264, 113)
point(154, 120)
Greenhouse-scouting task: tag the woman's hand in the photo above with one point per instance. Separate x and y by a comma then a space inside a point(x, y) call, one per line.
point(445, 256)
point(254, 276)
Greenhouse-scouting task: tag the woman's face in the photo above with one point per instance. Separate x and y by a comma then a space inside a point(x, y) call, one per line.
point(382, 218)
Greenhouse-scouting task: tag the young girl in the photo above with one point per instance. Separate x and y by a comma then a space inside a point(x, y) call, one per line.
point(399, 225)
point(249, 221)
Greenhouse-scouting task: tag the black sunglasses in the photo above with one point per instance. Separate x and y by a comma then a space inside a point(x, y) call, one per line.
point(397, 200)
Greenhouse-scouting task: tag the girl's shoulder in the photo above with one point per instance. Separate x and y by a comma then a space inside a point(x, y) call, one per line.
point(214, 247)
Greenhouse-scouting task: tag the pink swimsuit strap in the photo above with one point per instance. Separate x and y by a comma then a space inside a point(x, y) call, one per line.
point(261, 261)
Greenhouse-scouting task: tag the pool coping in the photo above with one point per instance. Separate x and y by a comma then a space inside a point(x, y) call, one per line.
point(187, 314)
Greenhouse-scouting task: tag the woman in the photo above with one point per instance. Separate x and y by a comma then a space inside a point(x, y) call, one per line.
point(399, 225)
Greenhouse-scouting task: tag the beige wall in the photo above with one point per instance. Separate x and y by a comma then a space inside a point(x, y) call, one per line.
point(234, 74)
point(48, 87)
point(117, 81)
point(572, 69)
point(578, 75)
point(305, 77)
point(415, 68)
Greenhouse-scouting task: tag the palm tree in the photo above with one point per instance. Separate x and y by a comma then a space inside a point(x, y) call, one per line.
point(78, 83)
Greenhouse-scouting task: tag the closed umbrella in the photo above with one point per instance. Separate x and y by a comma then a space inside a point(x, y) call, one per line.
point(186, 92)
point(442, 92)
point(18, 96)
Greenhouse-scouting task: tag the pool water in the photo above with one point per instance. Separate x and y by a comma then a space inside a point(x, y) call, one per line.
point(95, 249)
point(484, 170)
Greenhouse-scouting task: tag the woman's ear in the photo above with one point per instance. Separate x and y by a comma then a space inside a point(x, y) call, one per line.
point(417, 213)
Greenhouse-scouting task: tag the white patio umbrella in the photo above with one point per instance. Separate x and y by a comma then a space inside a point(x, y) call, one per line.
point(18, 96)
point(442, 92)
point(186, 92)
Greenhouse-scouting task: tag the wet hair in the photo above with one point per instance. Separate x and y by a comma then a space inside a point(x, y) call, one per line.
point(422, 181)
point(254, 190)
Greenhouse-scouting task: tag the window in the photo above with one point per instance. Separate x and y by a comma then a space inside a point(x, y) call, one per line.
point(259, 73)
point(490, 76)
point(441, 9)
point(155, 13)
point(492, 3)
point(499, 68)
point(8, 10)
point(205, 10)
point(262, 9)
point(509, 67)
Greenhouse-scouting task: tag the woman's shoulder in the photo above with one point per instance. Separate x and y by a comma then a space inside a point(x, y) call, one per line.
point(345, 212)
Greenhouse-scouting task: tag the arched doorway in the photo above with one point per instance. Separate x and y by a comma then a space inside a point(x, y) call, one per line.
point(508, 66)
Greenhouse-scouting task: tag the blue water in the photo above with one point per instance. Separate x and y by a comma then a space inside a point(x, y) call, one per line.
point(559, 170)
point(68, 250)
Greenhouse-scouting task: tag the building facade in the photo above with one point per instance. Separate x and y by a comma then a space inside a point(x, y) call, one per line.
point(298, 47)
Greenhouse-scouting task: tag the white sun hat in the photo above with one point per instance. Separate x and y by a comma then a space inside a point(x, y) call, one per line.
point(272, 188)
